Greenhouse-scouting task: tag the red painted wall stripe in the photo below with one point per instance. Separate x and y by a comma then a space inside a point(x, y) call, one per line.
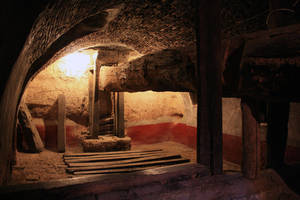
point(154, 133)
point(181, 133)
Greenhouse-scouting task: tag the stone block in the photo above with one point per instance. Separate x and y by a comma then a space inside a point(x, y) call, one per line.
point(106, 143)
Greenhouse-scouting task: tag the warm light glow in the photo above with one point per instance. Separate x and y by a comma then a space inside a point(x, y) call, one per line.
point(76, 64)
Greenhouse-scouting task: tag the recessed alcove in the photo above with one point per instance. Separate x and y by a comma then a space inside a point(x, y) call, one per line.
point(153, 120)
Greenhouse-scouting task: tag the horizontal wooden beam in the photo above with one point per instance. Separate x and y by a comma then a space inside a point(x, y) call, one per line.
point(263, 65)
point(98, 169)
point(152, 158)
point(109, 153)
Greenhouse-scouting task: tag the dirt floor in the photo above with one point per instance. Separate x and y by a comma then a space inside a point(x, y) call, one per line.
point(49, 165)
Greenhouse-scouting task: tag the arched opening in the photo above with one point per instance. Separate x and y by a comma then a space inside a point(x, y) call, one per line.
point(152, 120)
point(55, 34)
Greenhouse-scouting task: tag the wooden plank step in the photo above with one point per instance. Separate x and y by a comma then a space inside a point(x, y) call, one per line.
point(112, 171)
point(109, 153)
point(137, 160)
point(114, 156)
point(106, 159)
point(133, 165)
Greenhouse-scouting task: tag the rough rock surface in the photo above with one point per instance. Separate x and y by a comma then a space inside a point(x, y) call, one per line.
point(42, 92)
point(155, 107)
point(35, 167)
point(166, 70)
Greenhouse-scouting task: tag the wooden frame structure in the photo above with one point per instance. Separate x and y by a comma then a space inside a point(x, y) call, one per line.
point(209, 91)
point(96, 104)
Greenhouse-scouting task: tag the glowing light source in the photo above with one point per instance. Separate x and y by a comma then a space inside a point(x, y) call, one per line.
point(76, 64)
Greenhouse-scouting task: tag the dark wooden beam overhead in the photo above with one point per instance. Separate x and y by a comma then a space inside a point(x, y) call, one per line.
point(209, 117)
point(264, 65)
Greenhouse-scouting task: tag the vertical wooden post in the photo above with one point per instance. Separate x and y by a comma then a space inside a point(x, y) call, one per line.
point(96, 104)
point(209, 117)
point(91, 100)
point(278, 113)
point(61, 129)
point(115, 114)
point(120, 117)
point(251, 141)
point(119, 114)
point(278, 118)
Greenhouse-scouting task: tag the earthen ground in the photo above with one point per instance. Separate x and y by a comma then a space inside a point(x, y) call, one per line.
point(49, 165)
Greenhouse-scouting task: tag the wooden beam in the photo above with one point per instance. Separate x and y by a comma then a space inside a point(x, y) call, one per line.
point(278, 118)
point(130, 165)
point(91, 100)
point(109, 158)
point(125, 155)
point(209, 117)
point(61, 127)
point(151, 158)
point(29, 131)
point(110, 153)
point(251, 141)
point(96, 104)
point(268, 68)
point(278, 113)
point(279, 15)
point(120, 114)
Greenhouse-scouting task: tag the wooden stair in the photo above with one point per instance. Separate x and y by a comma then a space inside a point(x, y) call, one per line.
point(119, 161)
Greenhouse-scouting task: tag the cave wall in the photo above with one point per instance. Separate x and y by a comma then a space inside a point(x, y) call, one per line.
point(41, 98)
point(42, 92)
point(152, 117)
